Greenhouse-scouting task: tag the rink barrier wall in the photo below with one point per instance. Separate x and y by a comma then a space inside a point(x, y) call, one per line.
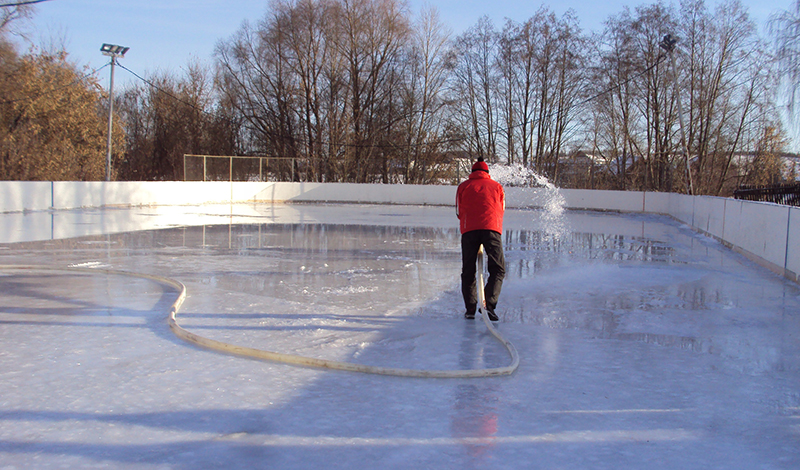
point(740, 225)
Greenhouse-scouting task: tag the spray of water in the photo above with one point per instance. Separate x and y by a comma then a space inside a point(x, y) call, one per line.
point(539, 189)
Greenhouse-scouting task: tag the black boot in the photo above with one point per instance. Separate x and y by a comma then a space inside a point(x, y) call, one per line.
point(491, 314)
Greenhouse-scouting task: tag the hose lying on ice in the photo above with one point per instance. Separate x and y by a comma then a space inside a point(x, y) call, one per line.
point(186, 335)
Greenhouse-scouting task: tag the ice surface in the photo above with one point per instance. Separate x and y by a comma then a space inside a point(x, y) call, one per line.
point(642, 344)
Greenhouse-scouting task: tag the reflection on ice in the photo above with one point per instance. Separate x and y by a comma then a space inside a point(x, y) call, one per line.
point(551, 250)
point(637, 338)
point(633, 284)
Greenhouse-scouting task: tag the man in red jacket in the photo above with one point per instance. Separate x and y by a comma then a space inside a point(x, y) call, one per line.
point(480, 204)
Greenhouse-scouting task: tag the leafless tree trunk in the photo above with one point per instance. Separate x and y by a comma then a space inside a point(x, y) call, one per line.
point(474, 87)
point(423, 103)
point(720, 50)
point(784, 29)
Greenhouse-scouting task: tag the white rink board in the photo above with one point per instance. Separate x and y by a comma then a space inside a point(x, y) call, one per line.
point(18, 196)
point(657, 203)
point(758, 228)
point(793, 245)
point(740, 224)
point(623, 201)
point(73, 195)
point(682, 208)
point(709, 215)
point(354, 193)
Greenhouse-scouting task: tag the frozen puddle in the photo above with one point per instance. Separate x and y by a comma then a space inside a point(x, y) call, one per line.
point(642, 345)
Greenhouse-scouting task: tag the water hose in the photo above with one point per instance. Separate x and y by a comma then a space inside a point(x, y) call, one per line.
point(482, 302)
point(242, 351)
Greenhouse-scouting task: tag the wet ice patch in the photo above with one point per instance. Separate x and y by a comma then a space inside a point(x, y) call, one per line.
point(90, 264)
point(353, 271)
point(393, 258)
point(350, 290)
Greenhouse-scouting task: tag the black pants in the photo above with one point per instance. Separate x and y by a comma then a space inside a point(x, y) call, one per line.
point(493, 245)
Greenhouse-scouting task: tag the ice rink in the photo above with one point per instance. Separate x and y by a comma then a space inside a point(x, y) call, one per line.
point(642, 344)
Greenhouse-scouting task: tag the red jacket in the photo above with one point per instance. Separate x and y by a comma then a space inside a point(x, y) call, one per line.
point(480, 203)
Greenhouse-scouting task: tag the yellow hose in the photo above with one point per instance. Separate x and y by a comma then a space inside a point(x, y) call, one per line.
point(220, 346)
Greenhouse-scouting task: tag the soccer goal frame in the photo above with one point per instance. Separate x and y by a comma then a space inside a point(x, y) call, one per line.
point(231, 158)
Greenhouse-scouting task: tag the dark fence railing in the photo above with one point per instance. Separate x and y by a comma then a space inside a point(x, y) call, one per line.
point(787, 194)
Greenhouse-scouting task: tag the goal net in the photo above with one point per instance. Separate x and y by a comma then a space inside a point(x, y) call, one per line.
point(237, 168)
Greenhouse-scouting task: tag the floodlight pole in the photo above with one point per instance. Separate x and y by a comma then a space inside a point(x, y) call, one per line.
point(112, 51)
point(668, 44)
point(110, 119)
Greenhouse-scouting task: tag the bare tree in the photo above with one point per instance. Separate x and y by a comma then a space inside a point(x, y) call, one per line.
point(255, 76)
point(721, 52)
point(656, 105)
point(784, 28)
point(10, 15)
point(764, 167)
point(171, 116)
point(425, 79)
point(617, 130)
point(310, 50)
point(567, 90)
point(518, 59)
point(374, 33)
point(474, 87)
point(315, 82)
point(724, 82)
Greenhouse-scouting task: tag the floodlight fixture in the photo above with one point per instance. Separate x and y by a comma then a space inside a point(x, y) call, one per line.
point(115, 52)
point(668, 43)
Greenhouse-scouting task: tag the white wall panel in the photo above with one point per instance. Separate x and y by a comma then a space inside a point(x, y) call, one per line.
point(17, 196)
point(709, 215)
point(356, 193)
point(624, 201)
point(529, 197)
point(793, 244)
point(759, 228)
point(682, 208)
point(657, 203)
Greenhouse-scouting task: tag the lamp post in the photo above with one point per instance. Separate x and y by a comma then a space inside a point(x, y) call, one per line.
point(114, 52)
point(668, 44)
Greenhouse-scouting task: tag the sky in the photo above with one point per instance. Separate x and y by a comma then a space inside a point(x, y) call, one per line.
point(167, 35)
